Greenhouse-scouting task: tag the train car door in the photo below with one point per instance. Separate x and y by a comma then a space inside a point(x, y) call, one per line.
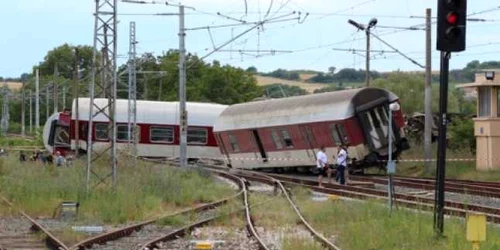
point(259, 145)
point(310, 140)
point(223, 148)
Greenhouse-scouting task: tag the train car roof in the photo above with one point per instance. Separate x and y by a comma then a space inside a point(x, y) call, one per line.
point(337, 105)
point(153, 112)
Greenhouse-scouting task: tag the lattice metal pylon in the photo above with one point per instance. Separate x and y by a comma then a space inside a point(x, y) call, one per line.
point(132, 95)
point(103, 76)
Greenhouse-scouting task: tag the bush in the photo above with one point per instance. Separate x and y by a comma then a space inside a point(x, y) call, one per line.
point(462, 135)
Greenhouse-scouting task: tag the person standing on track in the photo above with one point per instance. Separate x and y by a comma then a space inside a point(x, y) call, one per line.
point(321, 164)
point(341, 164)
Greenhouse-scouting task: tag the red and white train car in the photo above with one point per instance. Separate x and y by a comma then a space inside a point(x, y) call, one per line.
point(287, 132)
point(158, 128)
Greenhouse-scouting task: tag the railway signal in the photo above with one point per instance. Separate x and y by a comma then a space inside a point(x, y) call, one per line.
point(451, 25)
point(450, 38)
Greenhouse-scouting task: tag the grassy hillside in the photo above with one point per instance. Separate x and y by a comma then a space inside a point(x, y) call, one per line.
point(12, 85)
point(309, 87)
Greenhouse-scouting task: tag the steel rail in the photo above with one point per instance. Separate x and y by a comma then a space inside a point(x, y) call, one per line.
point(448, 181)
point(180, 232)
point(450, 187)
point(120, 233)
point(358, 192)
point(50, 240)
point(319, 237)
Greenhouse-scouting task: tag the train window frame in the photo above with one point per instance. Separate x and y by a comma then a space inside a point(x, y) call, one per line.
point(337, 139)
point(234, 143)
point(284, 133)
point(138, 129)
point(161, 127)
point(377, 123)
point(198, 129)
point(382, 112)
point(97, 138)
point(343, 133)
point(276, 139)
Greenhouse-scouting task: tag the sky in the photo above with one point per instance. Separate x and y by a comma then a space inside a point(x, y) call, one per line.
point(30, 28)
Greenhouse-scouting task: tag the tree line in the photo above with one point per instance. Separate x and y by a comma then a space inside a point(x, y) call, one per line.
point(206, 81)
point(351, 75)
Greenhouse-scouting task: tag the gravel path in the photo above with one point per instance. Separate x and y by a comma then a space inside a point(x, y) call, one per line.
point(147, 234)
point(223, 238)
point(136, 239)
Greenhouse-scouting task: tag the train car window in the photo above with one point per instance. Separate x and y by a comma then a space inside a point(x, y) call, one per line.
point(197, 136)
point(122, 134)
point(161, 134)
point(276, 139)
point(343, 133)
point(234, 143)
point(101, 131)
point(287, 138)
point(335, 134)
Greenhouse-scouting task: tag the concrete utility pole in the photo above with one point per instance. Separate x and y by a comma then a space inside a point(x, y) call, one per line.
point(75, 98)
point(105, 36)
point(132, 94)
point(64, 89)
point(37, 101)
point(367, 73)
point(428, 95)
point(182, 89)
point(4, 122)
point(23, 113)
point(31, 113)
point(47, 102)
point(367, 29)
point(56, 97)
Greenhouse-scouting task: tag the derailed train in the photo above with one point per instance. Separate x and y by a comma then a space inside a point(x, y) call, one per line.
point(268, 134)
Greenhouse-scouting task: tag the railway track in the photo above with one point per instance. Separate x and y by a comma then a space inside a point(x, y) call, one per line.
point(470, 188)
point(451, 207)
point(155, 243)
point(35, 235)
point(273, 181)
point(152, 235)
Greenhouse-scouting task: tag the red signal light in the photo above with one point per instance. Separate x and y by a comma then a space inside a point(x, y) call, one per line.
point(452, 18)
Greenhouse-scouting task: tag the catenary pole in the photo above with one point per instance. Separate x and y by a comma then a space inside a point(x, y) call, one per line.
point(23, 109)
point(428, 94)
point(75, 100)
point(37, 101)
point(182, 89)
point(31, 112)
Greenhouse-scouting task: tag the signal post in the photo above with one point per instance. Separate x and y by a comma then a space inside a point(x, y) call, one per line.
point(451, 22)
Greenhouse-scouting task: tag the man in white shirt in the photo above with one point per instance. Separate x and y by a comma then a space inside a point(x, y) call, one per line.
point(341, 164)
point(321, 161)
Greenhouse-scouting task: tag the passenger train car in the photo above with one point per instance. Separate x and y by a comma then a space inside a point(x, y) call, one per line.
point(158, 128)
point(267, 134)
point(287, 132)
